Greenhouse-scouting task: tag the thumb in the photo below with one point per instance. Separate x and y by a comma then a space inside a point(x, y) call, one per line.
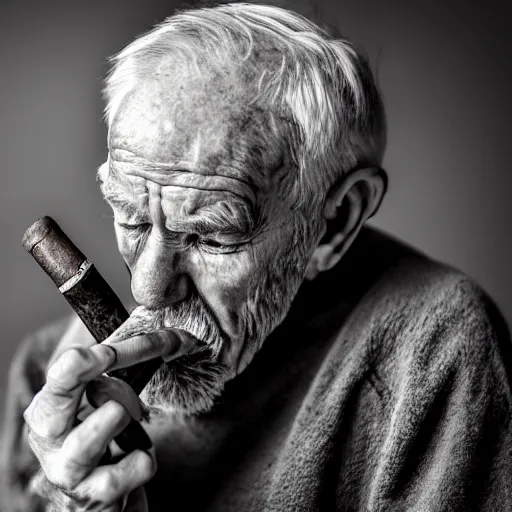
point(103, 388)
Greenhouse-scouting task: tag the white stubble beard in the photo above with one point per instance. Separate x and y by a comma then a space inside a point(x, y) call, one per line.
point(191, 384)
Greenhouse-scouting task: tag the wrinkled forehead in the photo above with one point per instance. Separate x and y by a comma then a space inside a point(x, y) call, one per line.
point(219, 206)
point(206, 124)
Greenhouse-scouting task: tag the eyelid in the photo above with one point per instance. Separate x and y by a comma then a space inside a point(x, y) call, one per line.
point(221, 248)
point(138, 225)
point(222, 239)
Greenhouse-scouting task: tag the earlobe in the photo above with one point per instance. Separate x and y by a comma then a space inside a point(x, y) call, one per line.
point(347, 207)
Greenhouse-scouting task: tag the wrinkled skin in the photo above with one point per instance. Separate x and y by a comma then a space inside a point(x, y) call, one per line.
point(194, 177)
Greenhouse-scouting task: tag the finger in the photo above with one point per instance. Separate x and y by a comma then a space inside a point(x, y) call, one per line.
point(52, 411)
point(103, 389)
point(84, 446)
point(167, 344)
point(76, 335)
point(108, 484)
point(85, 408)
point(55, 500)
point(77, 366)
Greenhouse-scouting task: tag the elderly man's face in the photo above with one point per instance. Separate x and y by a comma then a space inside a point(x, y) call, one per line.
point(194, 179)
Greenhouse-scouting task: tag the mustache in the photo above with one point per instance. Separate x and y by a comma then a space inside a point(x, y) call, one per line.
point(191, 316)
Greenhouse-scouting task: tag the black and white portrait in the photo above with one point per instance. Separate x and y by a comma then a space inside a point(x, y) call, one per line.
point(255, 256)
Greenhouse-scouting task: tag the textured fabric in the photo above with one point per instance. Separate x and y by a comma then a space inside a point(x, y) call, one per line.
point(394, 395)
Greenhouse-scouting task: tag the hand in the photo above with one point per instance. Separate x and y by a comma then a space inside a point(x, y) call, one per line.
point(72, 477)
point(69, 455)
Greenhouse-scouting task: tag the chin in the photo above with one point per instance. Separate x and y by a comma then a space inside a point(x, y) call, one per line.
point(186, 386)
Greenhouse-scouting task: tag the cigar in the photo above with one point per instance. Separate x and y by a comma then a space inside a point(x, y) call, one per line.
point(95, 303)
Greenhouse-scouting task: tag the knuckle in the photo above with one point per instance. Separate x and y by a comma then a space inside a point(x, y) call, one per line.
point(39, 445)
point(107, 486)
point(32, 440)
point(67, 364)
point(59, 475)
point(28, 413)
point(27, 418)
point(44, 415)
point(42, 433)
point(59, 499)
point(55, 476)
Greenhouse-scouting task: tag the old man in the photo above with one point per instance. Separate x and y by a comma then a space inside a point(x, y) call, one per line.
point(331, 368)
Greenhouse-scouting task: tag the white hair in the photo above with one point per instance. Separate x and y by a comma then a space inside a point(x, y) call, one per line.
point(336, 120)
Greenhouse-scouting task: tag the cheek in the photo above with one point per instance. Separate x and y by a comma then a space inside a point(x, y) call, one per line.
point(223, 279)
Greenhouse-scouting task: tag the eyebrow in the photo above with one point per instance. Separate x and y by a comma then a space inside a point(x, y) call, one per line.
point(127, 206)
point(235, 219)
point(116, 198)
point(241, 225)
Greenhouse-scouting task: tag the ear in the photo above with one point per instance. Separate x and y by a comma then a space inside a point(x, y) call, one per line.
point(349, 204)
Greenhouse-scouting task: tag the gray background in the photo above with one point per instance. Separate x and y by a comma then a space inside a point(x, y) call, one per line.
point(444, 69)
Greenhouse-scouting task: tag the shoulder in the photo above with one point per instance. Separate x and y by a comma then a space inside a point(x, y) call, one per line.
point(419, 312)
point(433, 362)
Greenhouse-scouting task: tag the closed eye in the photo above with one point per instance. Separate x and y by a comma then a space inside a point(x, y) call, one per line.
point(134, 227)
point(216, 247)
point(212, 243)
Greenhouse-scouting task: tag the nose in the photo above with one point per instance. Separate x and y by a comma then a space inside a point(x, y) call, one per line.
point(158, 278)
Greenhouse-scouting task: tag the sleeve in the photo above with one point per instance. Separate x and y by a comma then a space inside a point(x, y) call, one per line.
point(444, 442)
point(26, 377)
